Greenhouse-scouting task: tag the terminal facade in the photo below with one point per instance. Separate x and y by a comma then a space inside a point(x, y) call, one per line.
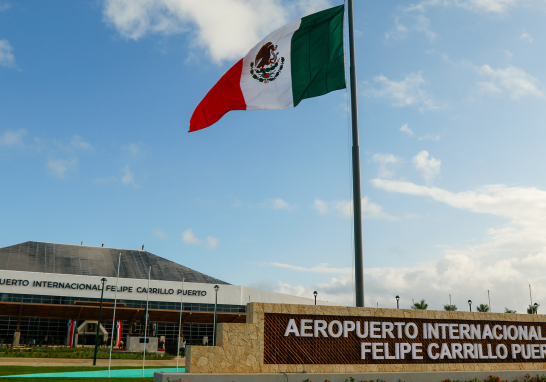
point(48, 288)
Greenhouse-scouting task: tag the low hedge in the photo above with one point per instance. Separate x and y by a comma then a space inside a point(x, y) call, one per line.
point(491, 378)
point(85, 353)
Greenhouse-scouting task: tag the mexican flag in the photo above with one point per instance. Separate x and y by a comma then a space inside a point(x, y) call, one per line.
point(303, 59)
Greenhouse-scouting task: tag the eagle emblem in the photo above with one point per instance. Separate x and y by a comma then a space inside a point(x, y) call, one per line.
point(268, 65)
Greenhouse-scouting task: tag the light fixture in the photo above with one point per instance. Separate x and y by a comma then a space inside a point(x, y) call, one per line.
point(216, 289)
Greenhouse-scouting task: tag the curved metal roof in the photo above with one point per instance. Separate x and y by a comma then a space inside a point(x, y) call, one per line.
point(33, 256)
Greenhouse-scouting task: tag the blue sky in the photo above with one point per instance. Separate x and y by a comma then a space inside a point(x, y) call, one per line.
point(95, 103)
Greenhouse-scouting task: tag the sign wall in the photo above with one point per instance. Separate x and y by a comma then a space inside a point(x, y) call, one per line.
point(319, 339)
point(51, 284)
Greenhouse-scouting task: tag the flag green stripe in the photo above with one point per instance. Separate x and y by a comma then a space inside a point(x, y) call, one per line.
point(317, 61)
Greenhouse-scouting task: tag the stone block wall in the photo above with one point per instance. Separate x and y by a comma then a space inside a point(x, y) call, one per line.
point(240, 347)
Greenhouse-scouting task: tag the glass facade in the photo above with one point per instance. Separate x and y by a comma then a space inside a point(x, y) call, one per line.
point(54, 332)
point(39, 299)
point(42, 331)
point(38, 329)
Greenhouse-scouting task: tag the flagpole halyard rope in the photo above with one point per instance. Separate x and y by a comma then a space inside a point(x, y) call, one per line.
point(180, 325)
point(114, 318)
point(146, 321)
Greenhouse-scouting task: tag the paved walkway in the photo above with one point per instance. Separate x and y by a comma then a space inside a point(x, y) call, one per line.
point(20, 361)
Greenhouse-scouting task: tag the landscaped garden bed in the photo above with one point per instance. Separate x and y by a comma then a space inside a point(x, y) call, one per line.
point(83, 352)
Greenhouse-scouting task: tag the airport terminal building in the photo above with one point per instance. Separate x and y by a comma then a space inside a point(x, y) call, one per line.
point(49, 289)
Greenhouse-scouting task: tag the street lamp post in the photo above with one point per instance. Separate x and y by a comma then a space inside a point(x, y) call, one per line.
point(216, 288)
point(470, 304)
point(103, 280)
point(397, 300)
point(315, 293)
point(536, 308)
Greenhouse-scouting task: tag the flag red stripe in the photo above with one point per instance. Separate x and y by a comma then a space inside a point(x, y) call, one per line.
point(71, 332)
point(225, 96)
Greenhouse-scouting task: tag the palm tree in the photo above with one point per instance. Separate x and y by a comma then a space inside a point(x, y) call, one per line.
point(483, 308)
point(450, 307)
point(422, 305)
point(532, 309)
point(506, 310)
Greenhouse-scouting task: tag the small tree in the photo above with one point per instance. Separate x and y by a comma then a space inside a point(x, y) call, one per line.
point(532, 309)
point(450, 307)
point(506, 310)
point(483, 308)
point(422, 305)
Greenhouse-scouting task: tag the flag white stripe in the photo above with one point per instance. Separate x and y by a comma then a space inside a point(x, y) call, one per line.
point(275, 94)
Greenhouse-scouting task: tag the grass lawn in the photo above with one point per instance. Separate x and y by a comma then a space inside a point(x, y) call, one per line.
point(17, 370)
point(78, 379)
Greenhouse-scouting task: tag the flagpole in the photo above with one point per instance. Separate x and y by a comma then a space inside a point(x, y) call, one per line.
point(114, 318)
point(180, 324)
point(146, 321)
point(357, 195)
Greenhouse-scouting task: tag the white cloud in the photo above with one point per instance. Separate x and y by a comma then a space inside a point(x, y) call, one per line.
point(339, 290)
point(128, 177)
point(212, 242)
point(487, 6)
point(13, 138)
point(59, 167)
point(306, 7)
point(459, 274)
point(373, 211)
point(321, 268)
point(407, 92)
point(4, 6)
point(407, 130)
point(492, 6)
point(480, 6)
point(132, 149)
point(432, 137)
point(226, 29)
point(70, 149)
point(344, 208)
point(398, 33)
point(7, 58)
point(421, 24)
point(386, 163)
point(189, 237)
point(78, 143)
point(515, 81)
point(429, 168)
point(526, 37)
point(321, 206)
point(523, 206)
point(510, 257)
point(279, 204)
point(60, 156)
point(160, 234)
